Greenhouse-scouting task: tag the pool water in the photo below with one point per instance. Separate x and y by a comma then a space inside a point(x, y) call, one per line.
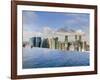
point(44, 58)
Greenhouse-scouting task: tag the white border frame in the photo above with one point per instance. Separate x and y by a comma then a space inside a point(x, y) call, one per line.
point(21, 71)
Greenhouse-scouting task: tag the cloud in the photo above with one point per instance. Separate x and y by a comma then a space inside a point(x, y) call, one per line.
point(77, 19)
point(29, 17)
point(47, 29)
point(30, 27)
point(30, 21)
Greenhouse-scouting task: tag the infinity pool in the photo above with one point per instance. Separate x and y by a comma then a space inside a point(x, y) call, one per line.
point(43, 58)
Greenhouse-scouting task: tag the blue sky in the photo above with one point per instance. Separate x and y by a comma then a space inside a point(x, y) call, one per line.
point(37, 20)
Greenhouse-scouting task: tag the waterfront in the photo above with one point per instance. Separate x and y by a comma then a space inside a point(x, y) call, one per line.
point(44, 58)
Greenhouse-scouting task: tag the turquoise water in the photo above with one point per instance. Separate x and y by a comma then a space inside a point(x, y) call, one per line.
point(44, 58)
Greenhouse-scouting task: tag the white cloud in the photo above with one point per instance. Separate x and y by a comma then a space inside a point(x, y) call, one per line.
point(47, 30)
point(29, 17)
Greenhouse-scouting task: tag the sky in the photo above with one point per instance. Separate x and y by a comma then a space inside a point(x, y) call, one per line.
point(37, 21)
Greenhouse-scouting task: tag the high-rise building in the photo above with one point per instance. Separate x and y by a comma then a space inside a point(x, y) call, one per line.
point(45, 43)
point(35, 41)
